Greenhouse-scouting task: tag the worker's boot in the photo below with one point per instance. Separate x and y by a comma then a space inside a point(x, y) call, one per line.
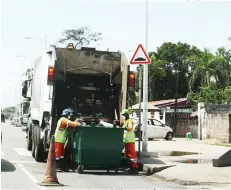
point(132, 170)
point(58, 164)
point(63, 165)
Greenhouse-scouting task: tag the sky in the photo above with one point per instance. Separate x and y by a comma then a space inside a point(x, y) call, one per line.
point(201, 23)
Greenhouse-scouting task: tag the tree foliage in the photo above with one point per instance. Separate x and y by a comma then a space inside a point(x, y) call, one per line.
point(208, 69)
point(168, 58)
point(202, 75)
point(79, 37)
point(8, 112)
point(211, 95)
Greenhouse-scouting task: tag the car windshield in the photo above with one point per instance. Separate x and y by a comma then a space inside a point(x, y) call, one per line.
point(156, 122)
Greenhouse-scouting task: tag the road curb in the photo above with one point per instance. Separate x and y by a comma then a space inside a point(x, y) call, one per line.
point(152, 169)
point(188, 182)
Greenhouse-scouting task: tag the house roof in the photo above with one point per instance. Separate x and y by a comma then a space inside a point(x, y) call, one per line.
point(160, 102)
point(181, 102)
point(150, 106)
point(156, 105)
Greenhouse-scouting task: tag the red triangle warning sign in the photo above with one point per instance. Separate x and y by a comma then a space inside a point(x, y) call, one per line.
point(140, 56)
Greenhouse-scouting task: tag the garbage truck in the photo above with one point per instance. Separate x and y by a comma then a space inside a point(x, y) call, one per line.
point(96, 84)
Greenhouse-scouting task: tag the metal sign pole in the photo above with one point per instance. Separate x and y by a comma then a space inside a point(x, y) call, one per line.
point(145, 89)
point(140, 100)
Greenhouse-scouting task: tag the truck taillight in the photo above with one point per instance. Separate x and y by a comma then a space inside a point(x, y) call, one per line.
point(50, 74)
point(132, 79)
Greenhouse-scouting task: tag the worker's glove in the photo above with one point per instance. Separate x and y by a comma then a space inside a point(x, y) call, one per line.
point(116, 122)
point(78, 120)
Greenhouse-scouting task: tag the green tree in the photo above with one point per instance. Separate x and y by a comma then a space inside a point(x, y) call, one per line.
point(226, 54)
point(79, 37)
point(155, 70)
point(170, 57)
point(9, 112)
point(210, 95)
point(207, 69)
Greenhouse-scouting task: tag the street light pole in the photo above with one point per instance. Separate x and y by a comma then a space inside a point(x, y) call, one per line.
point(176, 98)
point(145, 87)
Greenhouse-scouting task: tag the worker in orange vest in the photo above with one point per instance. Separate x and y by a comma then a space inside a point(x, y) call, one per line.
point(129, 142)
point(61, 136)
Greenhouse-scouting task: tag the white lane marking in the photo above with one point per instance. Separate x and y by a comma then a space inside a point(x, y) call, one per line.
point(30, 176)
point(22, 151)
point(22, 162)
point(2, 153)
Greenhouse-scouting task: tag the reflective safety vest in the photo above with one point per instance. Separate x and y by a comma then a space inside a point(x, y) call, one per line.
point(60, 133)
point(129, 136)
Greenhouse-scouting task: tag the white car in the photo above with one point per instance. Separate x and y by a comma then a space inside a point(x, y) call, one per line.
point(156, 130)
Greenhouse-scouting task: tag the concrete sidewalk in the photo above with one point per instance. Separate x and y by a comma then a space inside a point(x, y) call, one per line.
point(196, 174)
point(171, 161)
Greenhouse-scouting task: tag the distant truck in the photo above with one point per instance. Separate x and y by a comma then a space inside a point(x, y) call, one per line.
point(96, 84)
point(2, 118)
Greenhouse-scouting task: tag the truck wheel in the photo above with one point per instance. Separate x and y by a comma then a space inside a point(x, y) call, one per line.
point(33, 142)
point(39, 148)
point(29, 138)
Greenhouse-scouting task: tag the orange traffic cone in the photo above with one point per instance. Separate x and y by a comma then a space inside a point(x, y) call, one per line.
point(50, 178)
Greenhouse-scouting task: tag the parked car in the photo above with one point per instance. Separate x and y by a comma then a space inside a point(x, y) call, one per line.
point(156, 130)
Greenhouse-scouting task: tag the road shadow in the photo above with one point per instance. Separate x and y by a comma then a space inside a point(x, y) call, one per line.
point(121, 172)
point(7, 166)
point(157, 140)
point(147, 160)
point(111, 173)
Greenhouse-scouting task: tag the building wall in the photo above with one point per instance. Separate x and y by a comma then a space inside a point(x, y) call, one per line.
point(184, 124)
point(214, 122)
point(152, 114)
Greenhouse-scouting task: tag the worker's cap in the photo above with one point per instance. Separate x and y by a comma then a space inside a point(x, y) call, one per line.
point(67, 111)
point(125, 112)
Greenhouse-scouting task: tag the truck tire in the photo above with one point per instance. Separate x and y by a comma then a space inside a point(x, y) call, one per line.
point(33, 142)
point(39, 148)
point(29, 137)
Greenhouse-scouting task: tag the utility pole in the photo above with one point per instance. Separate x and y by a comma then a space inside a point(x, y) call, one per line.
point(145, 87)
point(176, 98)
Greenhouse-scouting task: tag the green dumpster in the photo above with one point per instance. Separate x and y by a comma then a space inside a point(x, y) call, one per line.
point(97, 148)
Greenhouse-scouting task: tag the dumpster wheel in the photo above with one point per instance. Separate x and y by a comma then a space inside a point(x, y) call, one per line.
point(116, 170)
point(80, 169)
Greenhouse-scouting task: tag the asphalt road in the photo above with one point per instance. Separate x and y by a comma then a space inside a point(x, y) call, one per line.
point(20, 171)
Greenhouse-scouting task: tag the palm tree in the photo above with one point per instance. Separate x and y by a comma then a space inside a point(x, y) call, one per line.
point(226, 54)
point(208, 69)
